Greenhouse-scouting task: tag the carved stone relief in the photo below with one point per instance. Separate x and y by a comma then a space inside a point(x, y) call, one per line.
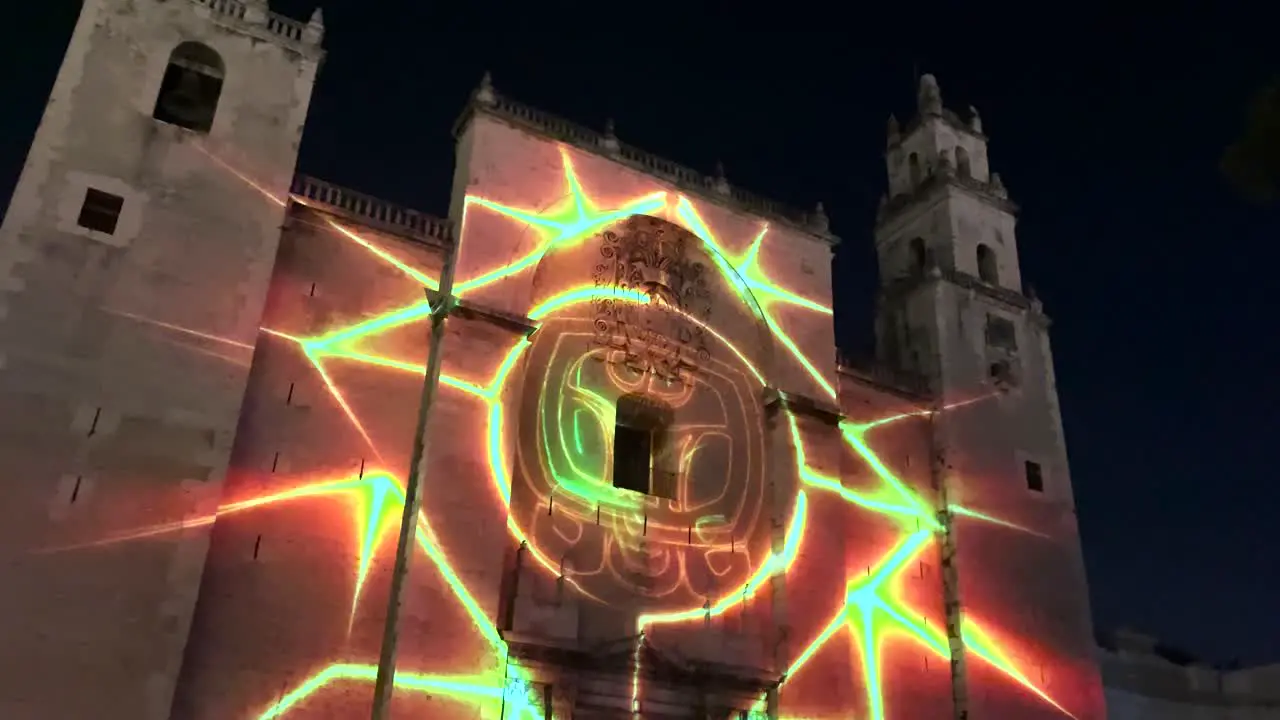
point(667, 335)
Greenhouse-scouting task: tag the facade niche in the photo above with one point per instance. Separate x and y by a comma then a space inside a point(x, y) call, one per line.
point(1034, 475)
point(919, 255)
point(191, 88)
point(988, 271)
point(964, 168)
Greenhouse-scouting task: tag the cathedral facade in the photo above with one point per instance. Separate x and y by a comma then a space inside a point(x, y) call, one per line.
point(584, 449)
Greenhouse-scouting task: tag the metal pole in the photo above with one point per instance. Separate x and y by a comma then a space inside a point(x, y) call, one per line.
point(385, 683)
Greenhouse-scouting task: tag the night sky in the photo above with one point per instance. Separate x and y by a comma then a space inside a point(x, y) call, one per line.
point(1105, 126)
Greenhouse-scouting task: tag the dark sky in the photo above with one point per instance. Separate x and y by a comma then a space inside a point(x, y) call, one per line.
point(1106, 127)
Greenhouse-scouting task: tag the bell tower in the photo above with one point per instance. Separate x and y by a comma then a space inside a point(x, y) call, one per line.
point(134, 263)
point(953, 308)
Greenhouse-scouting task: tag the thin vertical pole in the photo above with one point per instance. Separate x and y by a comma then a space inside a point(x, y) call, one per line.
point(385, 684)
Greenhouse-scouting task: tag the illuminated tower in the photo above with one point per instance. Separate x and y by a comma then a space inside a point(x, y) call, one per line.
point(952, 307)
point(133, 268)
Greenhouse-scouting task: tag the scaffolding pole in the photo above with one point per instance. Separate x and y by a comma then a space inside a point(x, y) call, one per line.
point(440, 308)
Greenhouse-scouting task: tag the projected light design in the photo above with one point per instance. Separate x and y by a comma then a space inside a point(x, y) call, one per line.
point(643, 334)
point(681, 550)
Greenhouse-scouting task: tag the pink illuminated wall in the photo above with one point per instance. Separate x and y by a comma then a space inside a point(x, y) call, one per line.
point(796, 539)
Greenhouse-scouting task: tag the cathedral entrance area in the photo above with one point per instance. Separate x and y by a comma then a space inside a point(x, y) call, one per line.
point(628, 679)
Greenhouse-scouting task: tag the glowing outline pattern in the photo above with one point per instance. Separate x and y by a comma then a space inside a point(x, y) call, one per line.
point(870, 609)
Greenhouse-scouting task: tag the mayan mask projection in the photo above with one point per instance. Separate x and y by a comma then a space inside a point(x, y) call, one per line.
point(640, 459)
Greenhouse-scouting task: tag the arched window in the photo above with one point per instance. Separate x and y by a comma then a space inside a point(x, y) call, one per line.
point(919, 255)
point(639, 434)
point(987, 270)
point(963, 167)
point(191, 87)
point(913, 168)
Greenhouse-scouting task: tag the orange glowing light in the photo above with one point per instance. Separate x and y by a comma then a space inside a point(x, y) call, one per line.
point(872, 605)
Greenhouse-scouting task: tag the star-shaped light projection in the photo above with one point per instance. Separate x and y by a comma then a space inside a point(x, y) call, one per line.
point(871, 605)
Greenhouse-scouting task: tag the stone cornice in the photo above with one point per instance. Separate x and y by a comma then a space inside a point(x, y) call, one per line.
point(515, 324)
point(824, 412)
point(899, 382)
point(935, 188)
point(713, 189)
point(1006, 298)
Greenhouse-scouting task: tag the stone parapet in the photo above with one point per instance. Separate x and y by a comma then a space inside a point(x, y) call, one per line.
point(712, 187)
point(371, 211)
point(253, 17)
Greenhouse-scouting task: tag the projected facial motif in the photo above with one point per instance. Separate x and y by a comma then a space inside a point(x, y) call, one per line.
point(642, 471)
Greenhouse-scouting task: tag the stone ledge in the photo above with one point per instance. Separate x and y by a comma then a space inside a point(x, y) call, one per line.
point(802, 405)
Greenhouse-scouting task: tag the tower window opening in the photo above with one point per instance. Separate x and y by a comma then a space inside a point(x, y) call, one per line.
point(913, 168)
point(919, 255)
point(191, 87)
point(1001, 333)
point(100, 211)
point(639, 435)
point(1034, 475)
point(987, 270)
point(964, 168)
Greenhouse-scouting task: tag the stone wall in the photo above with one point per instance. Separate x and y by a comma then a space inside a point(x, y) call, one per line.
point(124, 351)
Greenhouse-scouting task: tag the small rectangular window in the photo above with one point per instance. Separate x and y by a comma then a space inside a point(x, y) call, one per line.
point(100, 211)
point(632, 456)
point(1001, 333)
point(1035, 476)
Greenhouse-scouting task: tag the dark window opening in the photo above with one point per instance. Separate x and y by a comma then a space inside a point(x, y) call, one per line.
point(1035, 476)
point(963, 167)
point(913, 167)
point(988, 272)
point(191, 88)
point(999, 371)
point(638, 435)
point(632, 455)
point(919, 255)
point(1003, 374)
point(100, 211)
point(1001, 333)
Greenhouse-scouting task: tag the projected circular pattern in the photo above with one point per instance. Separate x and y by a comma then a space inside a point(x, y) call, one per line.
point(579, 365)
point(642, 332)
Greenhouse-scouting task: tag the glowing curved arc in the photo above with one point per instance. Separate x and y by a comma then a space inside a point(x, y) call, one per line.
point(775, 564)
point(587, 293)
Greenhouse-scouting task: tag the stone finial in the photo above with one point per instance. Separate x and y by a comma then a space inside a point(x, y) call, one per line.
point(485, 94)
point(997, 186)
point(314, 32)
point(255, 12)
point(895, 131)
point(1036, 305)
point(929, 96)
point(975, 120)
point(819, 219)
point(610, 140)
point(721, 182)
